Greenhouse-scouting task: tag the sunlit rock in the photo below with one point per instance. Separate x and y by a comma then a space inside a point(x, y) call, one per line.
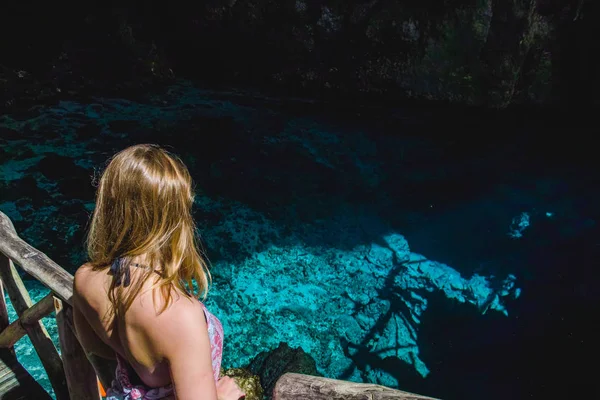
point(249, 383)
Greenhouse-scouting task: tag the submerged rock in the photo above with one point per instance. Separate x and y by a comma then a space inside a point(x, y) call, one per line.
point(269, 366)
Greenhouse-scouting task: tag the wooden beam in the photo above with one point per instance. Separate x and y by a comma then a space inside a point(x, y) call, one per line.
point(298, 386)
point(81, 377)
point(16, 383)
point(40, 338)
point(34, 262)
point(17, 329)
point(4, 322)
point(105, 369)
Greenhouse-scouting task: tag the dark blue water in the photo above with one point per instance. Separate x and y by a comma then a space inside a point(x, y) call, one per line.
point(444, 252)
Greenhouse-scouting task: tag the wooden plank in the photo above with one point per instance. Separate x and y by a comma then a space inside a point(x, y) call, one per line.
point(4, 322)
point(15, 382)
point(34, 262)
point(40, 338)
point(292, 386)
point(105, 369)
point(81, 377)
point(17, 329)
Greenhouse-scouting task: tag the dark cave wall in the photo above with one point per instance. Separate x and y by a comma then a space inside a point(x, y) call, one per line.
point(477, 52)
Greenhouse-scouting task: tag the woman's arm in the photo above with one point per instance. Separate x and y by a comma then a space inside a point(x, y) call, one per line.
point(90, 342)
point(88, 338)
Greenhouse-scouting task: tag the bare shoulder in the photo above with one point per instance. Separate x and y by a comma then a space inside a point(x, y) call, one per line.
point(85, 275)
point(184, 317)
point(181, 307)
point(82, 278)
point(90, 285)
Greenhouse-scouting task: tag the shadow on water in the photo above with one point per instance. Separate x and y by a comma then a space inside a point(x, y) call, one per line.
point(539, 351)
point(364, 358)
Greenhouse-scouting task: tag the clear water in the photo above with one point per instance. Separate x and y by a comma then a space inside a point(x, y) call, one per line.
point(391, 256)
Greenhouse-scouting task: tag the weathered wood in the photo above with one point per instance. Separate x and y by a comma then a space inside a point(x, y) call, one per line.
point(34, 262)
point(105, 369)
point(298, 386)
point(17, 329)
point(3, 310)
point(15, 382)
point(81, 377)
point(40, 338)
point(4, 320)
point(52, 276)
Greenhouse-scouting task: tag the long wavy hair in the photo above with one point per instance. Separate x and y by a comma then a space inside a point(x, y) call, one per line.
point(143, 206)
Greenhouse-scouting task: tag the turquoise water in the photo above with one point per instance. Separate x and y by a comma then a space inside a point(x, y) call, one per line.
point(389, 256)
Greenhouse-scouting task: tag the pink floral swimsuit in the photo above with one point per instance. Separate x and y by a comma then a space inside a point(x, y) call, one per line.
point(123, 389)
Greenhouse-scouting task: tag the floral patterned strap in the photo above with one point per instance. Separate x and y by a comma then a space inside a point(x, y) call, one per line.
point(123, 389)
point(215, 334)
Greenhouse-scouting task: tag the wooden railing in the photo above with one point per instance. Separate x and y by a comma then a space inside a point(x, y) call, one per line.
point(72, 374)
point(299, 387)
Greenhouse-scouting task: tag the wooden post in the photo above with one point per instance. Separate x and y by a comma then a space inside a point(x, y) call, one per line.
point(298, 386)
point(40, 338)
point(81, 377)
point(105, 369)
point(17, 329)
point(3, 311)
point(60, 282)
point(4, 321)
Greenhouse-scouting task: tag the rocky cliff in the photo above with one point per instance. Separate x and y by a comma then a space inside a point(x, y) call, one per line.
point(475, 52)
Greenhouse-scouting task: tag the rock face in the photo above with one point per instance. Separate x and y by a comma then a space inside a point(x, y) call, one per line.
point(479, 52)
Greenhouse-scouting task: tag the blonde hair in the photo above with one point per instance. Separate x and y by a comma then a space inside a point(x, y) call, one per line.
point(143, 206)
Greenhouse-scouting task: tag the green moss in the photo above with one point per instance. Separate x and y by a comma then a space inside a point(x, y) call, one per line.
point(248, 382)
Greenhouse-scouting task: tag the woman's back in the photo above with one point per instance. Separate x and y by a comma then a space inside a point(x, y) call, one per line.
point(107, 337)
point(142, 364)
point(148, 318)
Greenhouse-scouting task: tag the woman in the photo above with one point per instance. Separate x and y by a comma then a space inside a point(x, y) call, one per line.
point(134, 300)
